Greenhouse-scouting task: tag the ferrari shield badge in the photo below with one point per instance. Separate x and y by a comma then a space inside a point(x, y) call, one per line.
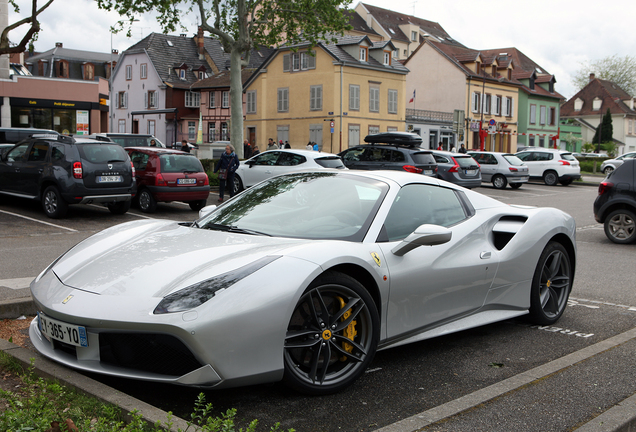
point(67, 299)
point(376, 258)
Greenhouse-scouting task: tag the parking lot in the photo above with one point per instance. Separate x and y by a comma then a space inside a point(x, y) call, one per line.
point(405, 382)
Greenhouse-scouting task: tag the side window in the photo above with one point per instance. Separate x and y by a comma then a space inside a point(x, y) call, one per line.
point(139, 160)
point(290, 159)
point(440, 159)
point(491, 160)
point(38, 151)
point(526, 157)
point(57, 153)
point(397, 156)
point(418, 204)
point(18, 154)
point(353, 155)
point(268, 158)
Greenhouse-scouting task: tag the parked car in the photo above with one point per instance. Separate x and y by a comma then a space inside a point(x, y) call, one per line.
point(4, 148)
point(393, 151)
point(313, 270)
point(458, 168)
point(274, 162)
point(610, 165)
point(552, 165)
point(10, 135)
point(165, 175)
point(132, 140)
point(501, 169)
point(59, 170)
point(615, 205)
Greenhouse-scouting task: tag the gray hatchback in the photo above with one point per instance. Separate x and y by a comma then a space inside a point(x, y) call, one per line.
point(458, 168)
point(501, 169)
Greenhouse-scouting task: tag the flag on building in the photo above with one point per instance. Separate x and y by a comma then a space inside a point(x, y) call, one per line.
point(413, 98)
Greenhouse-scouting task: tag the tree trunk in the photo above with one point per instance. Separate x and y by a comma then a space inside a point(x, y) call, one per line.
point(236, 102)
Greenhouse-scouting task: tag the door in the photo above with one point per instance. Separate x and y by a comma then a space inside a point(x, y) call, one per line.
point(135, 126)
point(11, 169)
point(251, 135)
point(36, 163)
point(435, 284)
point(282, 134)
point(261, 167)
point(315, 135)
point(354, 135)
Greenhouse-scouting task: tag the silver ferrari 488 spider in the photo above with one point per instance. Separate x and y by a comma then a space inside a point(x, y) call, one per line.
point(301, 278)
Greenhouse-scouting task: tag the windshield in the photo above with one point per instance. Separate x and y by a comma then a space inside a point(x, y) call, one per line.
point(303, 205)
point(513, 160)
point(465, 161)
point(330, 162)
point(568, 157)
point(102, 153)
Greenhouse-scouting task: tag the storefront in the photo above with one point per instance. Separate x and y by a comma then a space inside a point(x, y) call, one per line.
point(65, 117)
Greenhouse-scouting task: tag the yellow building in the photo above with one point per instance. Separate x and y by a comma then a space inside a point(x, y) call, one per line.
point(334, 95)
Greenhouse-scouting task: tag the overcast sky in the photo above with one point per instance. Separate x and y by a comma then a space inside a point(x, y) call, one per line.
point(556, 34)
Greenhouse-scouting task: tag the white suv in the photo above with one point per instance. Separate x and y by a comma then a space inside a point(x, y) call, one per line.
point(552, 165)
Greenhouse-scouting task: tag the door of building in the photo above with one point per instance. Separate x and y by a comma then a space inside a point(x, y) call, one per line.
point(315, 135)
point(354, 135)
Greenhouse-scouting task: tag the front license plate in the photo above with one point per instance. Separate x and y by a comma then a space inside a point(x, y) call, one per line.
point(187, 181)
point(471, 172)
point(64, 332)
point(109, 179)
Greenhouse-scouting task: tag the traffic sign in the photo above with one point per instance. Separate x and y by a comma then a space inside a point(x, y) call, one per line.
point(492, 122)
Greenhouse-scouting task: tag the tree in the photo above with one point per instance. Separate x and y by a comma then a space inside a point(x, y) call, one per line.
point(241, 25)
point(620, 70)
point(606, 131)
point(31, 34)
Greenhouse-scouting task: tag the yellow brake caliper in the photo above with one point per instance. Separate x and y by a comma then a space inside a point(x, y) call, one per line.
point(349, 332)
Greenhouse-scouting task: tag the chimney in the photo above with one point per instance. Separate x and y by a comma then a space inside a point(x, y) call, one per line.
point(200, 42)
point(58, 45)
point(115, 51)
point(592, 77)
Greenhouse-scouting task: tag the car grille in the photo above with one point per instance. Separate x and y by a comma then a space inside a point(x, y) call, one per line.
point(156, 353)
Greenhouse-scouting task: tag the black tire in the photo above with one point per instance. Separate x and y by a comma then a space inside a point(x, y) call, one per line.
point(197, 205)
point(608, 170)
point(551, 285)
point(319, 357)
point(53, 204)
point(147, 202)
point(620, 226)
point(550, 178)
point(515, 185)
point(119, 208)
point(237, 185)
point(499, 182)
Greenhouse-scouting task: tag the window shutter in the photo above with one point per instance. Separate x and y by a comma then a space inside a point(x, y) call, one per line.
point(512, 107)
point(286, 63)
point(146, 100)
point(311, 60)
point(126, 100)
point(493, 105)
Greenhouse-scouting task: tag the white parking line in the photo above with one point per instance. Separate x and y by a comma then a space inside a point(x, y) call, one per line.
point(39, 221)
point(129, 213)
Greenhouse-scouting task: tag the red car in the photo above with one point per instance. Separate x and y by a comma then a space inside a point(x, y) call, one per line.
point(165, 175)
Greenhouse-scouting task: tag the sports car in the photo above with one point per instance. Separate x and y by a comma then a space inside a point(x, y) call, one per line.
point(301, 278)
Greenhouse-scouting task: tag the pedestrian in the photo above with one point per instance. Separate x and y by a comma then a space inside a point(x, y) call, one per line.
point(316, 148)
point(462, 149)
point(247, 149)
point(226, 167)
point(271, 145)
point(153, 143)
point(255, 151)
point(310, 146)
point(280, 144)
point(439, 147)
point(287, 146)
point(184, 146)
point(453, 149)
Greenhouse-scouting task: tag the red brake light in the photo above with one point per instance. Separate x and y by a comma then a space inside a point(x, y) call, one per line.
point(454, 168)
point(604, 187)
point(412, 169)
point(562, 162)
point(133, 169)
point(207, 180)
point(77, 170)
point(513, 169)
point(159, 181)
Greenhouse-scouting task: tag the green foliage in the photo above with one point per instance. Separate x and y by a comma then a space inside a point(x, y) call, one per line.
point(620, 70)
point(606, 129)
point(588, 148)
point(587, 164)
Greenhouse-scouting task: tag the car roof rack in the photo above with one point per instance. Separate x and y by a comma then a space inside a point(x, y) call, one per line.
point(398, 139)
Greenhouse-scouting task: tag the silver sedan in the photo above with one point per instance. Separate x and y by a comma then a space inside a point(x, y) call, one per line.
point(501, 169)
point(301, 278)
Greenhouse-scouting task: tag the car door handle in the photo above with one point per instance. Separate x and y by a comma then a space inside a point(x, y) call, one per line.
point(485, 255)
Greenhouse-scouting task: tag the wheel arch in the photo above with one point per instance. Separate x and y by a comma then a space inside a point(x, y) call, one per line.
point(45, 184)
point(617, 205)
point(565, 241)
point(365, 278)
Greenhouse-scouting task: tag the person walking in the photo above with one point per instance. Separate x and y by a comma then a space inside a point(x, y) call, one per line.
point(310, 146)
point(439, 147)
point(462, 149)
point(247, 149)
point(316, 148)
point(184, 146)
point(287, 145)
point(271, 145)
point(226, 167)
point(255, 151)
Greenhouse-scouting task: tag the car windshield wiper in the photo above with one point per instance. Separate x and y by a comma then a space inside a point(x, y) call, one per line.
point(234, 229)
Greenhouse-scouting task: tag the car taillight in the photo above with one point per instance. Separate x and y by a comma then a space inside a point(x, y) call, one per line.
point(562, 162)
point(207, 180)
point(513, 169)
point(454, 168)
point(412, 169)
point(77, 170)
point(159, 181)
point(133, 169)
point(604, 187)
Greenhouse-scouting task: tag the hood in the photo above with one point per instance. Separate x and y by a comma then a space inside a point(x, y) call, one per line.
point(155, 258)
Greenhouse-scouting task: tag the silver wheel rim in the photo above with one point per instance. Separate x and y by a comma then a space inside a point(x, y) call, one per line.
point(622, 226)
point(550, 178)
point(554, 285)
point(608, 170)
point(499, 182)
point(144, 200)
point(50, 202)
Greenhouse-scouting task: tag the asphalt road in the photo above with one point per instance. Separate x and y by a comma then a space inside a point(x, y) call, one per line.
point(408, 380)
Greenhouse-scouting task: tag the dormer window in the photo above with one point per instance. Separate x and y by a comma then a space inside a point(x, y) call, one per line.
point(363, 53)
point(182, 74)
point(494, 71)
point(201, 75)
point(531, 84)
point(89, 71)
point(596, 104)
point(387, 58)
point(414, 36)
point(578, 104)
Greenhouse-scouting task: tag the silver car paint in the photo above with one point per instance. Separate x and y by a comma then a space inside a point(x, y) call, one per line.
point(123, 272)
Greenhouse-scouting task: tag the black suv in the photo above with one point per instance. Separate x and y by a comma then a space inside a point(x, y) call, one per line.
point(59, 170)
point(615, 205)
point(391, 151)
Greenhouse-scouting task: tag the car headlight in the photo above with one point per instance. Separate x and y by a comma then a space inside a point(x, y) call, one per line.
point(199, 293)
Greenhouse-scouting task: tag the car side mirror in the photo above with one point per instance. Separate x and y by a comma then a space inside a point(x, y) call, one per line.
point(206, 211)
point(424, 235)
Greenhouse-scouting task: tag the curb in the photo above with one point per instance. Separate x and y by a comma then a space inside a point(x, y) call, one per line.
point(16, 307)
point(49, 370)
